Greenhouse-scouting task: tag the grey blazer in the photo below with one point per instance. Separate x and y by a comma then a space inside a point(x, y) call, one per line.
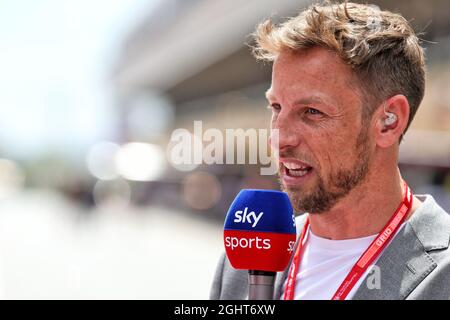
point(415, 265)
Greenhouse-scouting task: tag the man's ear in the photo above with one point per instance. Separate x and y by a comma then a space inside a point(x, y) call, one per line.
point(391, 120)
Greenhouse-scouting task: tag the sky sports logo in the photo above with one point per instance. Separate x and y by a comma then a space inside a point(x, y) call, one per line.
point(247, 243)
point(243, 216)
point(255, 242)
point(259, 230)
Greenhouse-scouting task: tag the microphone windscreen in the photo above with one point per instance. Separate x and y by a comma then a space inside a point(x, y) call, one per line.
point(259, 230)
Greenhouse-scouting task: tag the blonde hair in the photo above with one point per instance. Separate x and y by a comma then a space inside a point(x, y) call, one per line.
point(380, 46)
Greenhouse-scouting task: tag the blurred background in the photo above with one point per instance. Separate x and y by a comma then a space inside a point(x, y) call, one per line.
point(90, 92)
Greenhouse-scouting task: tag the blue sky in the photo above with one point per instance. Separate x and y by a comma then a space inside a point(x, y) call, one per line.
point(55, 57)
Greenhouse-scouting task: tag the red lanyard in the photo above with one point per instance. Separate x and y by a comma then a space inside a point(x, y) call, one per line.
point(364, 261)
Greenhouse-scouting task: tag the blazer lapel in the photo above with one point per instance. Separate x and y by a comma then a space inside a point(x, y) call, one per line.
point(402, 266)
point(405, 263)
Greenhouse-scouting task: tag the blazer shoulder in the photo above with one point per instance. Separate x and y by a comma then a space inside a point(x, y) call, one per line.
point(228, 283)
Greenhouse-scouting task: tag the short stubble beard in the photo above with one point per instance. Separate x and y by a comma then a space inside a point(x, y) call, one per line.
point(322, 199)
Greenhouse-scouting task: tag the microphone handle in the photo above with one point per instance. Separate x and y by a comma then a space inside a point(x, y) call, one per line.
point(261, 285)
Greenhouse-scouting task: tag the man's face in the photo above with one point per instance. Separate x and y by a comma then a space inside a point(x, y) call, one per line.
point(324, 146)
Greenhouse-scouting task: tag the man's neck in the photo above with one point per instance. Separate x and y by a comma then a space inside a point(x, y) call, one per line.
point(364, 211)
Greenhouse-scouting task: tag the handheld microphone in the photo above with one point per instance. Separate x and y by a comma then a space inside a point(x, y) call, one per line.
point(259, 236)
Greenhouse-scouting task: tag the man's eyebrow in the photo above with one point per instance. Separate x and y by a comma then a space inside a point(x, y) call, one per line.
point(309, 100)
point(302, 101)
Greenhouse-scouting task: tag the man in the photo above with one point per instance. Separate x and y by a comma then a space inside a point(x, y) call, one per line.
point(347, 80)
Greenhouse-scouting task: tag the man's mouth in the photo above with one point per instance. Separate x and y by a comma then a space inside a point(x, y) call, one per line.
point(294, 171)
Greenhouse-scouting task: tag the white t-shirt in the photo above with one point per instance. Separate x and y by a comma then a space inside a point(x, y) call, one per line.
point(325, 264)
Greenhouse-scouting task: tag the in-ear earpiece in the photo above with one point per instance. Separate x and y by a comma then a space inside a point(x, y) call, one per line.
point(391, 118)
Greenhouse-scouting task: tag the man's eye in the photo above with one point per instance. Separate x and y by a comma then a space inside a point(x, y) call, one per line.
point(313, 111)
point(275, 106)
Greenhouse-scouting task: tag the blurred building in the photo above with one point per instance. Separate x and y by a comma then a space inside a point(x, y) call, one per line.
point(189, 60)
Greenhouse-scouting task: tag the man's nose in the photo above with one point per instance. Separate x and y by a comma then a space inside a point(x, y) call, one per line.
point(284, 133)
